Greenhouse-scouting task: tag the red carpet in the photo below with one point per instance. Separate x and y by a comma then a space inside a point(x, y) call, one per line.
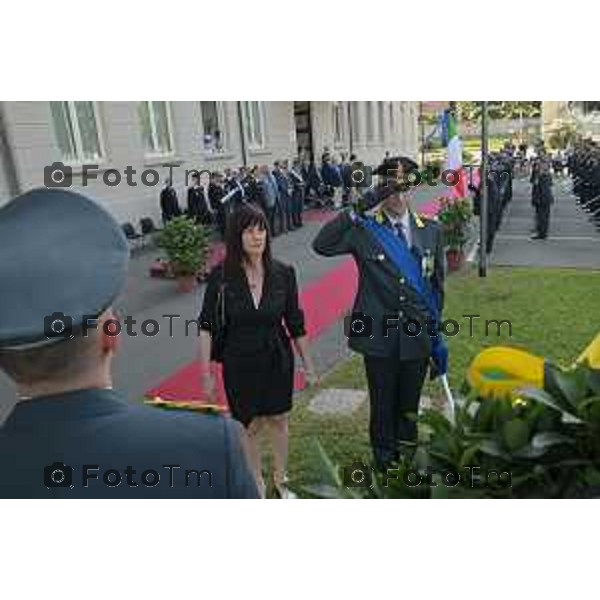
point(318, 215)
point(324, 302)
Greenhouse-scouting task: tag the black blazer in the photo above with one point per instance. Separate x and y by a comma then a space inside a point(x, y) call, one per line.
point(215, 195)
point(99, 429)
point(251, 330)
point(381, 291)
point(169, 205)
point(196, 205)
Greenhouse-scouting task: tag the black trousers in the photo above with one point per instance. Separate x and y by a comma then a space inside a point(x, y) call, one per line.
point(543, 218)
point(394, 393)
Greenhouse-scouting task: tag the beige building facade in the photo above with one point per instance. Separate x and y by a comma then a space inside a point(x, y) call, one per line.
point(120, 152)
point(585, 115)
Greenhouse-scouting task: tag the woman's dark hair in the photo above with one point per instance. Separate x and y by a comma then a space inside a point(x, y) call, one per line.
point(247, 215)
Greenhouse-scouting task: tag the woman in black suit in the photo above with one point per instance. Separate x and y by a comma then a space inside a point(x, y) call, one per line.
point(247, 302)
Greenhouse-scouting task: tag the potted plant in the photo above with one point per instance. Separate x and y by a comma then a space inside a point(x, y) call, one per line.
point(455, 216)
point(186, 245)
point(537, 444)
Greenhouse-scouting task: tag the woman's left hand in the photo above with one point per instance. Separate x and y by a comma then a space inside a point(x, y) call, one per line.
point(312, 379)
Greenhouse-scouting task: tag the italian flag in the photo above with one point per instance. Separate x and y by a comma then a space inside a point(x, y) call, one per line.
point(454, 161)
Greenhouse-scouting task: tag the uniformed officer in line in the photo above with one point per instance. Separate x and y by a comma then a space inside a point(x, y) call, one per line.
point(541, 196)
point(493, 203)
point(70, 433)
point(388, 309)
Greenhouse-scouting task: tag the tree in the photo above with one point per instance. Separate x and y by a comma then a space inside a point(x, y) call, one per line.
point(499, 109)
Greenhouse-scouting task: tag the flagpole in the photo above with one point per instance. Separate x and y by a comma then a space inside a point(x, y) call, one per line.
point(422, 135)
point(483, 204)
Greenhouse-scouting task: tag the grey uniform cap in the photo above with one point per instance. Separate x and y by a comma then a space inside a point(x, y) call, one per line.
point(59, 253)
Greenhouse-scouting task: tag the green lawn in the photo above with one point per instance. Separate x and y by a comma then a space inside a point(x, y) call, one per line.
point(554, 313)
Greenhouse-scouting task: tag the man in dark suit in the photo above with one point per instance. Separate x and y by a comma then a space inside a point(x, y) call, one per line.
point(198, 206)
point(71, 435)
point(388, 309)
point(298, 187)
point(169, 204)
point(216, 194)
point(284, 205)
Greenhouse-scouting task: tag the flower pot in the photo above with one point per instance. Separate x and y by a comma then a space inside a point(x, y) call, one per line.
point(455, 259)
point(186, 284)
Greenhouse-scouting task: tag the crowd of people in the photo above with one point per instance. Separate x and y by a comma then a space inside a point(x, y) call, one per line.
point(584, 168)
point(281, 190)
point(582, 163)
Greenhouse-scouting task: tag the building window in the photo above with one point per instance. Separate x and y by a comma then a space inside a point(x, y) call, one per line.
point(370, 122)
point(76, 129)
point(254, 124)
point(213, 126)
point(381, 120)
point(156, 127)
point(338, 123)
point(392, 118)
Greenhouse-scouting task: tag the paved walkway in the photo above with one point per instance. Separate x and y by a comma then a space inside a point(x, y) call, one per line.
point(573, 241)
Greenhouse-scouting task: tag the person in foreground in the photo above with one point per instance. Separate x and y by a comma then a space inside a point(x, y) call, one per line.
point(71, 435)
point(401, 266)
point(247, 301)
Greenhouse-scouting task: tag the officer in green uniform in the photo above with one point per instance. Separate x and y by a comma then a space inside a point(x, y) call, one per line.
point(388, 311)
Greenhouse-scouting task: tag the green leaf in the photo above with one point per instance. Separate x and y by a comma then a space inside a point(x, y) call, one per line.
point(529, 452)
point(592, 476)
point(493, 448)
point(593, 379)
point(550, 438)
point(590, 409)
point(588, 402)
point(515, 434)
point(469, 454)
point(486, 414)
point(544, 398)
point(436, 420)
point(572, 384)
point(439, 491)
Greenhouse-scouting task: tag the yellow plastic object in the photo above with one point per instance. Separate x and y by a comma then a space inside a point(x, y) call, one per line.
point(592, 354)
point(496, 372)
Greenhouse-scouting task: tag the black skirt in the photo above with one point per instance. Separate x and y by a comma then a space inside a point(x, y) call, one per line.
point(259, 385)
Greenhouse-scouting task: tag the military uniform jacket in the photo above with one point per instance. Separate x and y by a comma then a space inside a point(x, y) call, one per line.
point(98, 431)
point(381, 291)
